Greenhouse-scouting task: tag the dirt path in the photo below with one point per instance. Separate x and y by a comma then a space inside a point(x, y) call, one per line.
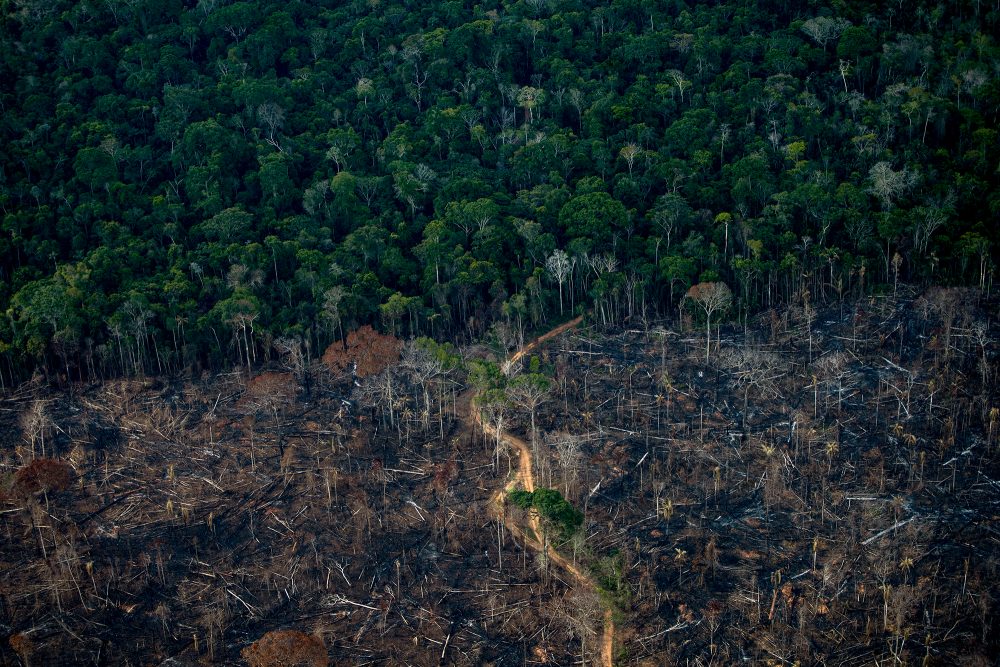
point(525, 478)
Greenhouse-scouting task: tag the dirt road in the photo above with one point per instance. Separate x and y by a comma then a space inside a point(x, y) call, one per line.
point(524, 477)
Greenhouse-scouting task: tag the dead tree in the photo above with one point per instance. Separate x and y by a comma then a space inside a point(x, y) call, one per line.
point(580, 613)
point(35, 425)
point(570, 460)
point(422, 368)
point(531, 391)
point(365, 352)
point(711, 298)
point(754, 370)
point(493, 406)
point(269, 392)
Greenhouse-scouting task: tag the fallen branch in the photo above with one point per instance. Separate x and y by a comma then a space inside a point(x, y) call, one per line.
point(891, 528)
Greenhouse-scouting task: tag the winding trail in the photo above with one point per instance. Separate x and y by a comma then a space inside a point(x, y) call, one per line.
point(524, 477)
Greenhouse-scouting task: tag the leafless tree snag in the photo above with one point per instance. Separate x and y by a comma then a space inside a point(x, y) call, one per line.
point(711, 298)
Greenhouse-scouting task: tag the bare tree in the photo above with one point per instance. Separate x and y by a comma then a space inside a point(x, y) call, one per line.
point(531, 391)
point(580, 612)
point(832, 368)
point(711, 298)
point(293, 354)
point(570, 460)
point(382, 391)
point(35, 424)
point(269, 392)
point(929, 218)
point(888, 185)
point(493, 405)
point(559, 266)
point(824, 29)
point(754, 370)
point(422, 367)
point(272, 117)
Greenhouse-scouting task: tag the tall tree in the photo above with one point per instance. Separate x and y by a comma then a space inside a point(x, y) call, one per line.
point(711, 297)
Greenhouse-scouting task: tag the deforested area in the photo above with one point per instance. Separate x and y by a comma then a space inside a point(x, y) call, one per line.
point(821, 490)
point(147, 522)
point(821, 487)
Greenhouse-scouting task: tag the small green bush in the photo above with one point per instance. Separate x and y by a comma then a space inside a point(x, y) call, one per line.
point(552, 507)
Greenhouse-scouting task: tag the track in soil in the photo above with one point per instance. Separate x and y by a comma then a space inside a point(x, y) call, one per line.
point(524, 478)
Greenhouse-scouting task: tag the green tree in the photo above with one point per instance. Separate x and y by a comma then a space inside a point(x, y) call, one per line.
point(593, 219)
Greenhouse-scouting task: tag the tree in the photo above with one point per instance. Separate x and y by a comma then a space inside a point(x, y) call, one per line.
point(492, 405)
point(974, 244)
point(888, 185)
point(552, 507)
point(671, 213)
point(342, 144)
point(232, 225)
point(529, 98)
point(559, 267)
point(35, 423)
point(53, 311)
point(95, 168)
point(927, 220)
point(580, 611)
point(366, 352)
point(331, 312)
point(286, 648)
point(531, 391)
point(363, 88)
point(711, 297)
point(569, 449)
point(629, 152)
point(679, 81)
point(592, 219)
point(725, 131)
point(824, 29)
point(423, 366)
point(724, 219)
point(677, 269)
point(756, 370)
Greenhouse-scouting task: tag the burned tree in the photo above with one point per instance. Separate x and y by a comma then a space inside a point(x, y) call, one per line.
point(531, 391)
point(754, 370)
point(711, 298)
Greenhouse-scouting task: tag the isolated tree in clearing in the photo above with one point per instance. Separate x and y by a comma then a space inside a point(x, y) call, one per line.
point(711, 297)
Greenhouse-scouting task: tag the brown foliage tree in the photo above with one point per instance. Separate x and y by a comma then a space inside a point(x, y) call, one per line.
point(270, 392)
point(286, 648)
point(444, 473)
point(42, 475)
point(23, 646)
point(366, 351)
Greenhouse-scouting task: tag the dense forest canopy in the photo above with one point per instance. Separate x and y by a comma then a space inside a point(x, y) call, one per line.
point(200, 184)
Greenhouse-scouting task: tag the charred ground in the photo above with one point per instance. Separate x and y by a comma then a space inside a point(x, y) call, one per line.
point(202, 515)
point(822, 489)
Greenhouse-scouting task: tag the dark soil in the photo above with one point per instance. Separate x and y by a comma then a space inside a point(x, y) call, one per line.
point(823, 489)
